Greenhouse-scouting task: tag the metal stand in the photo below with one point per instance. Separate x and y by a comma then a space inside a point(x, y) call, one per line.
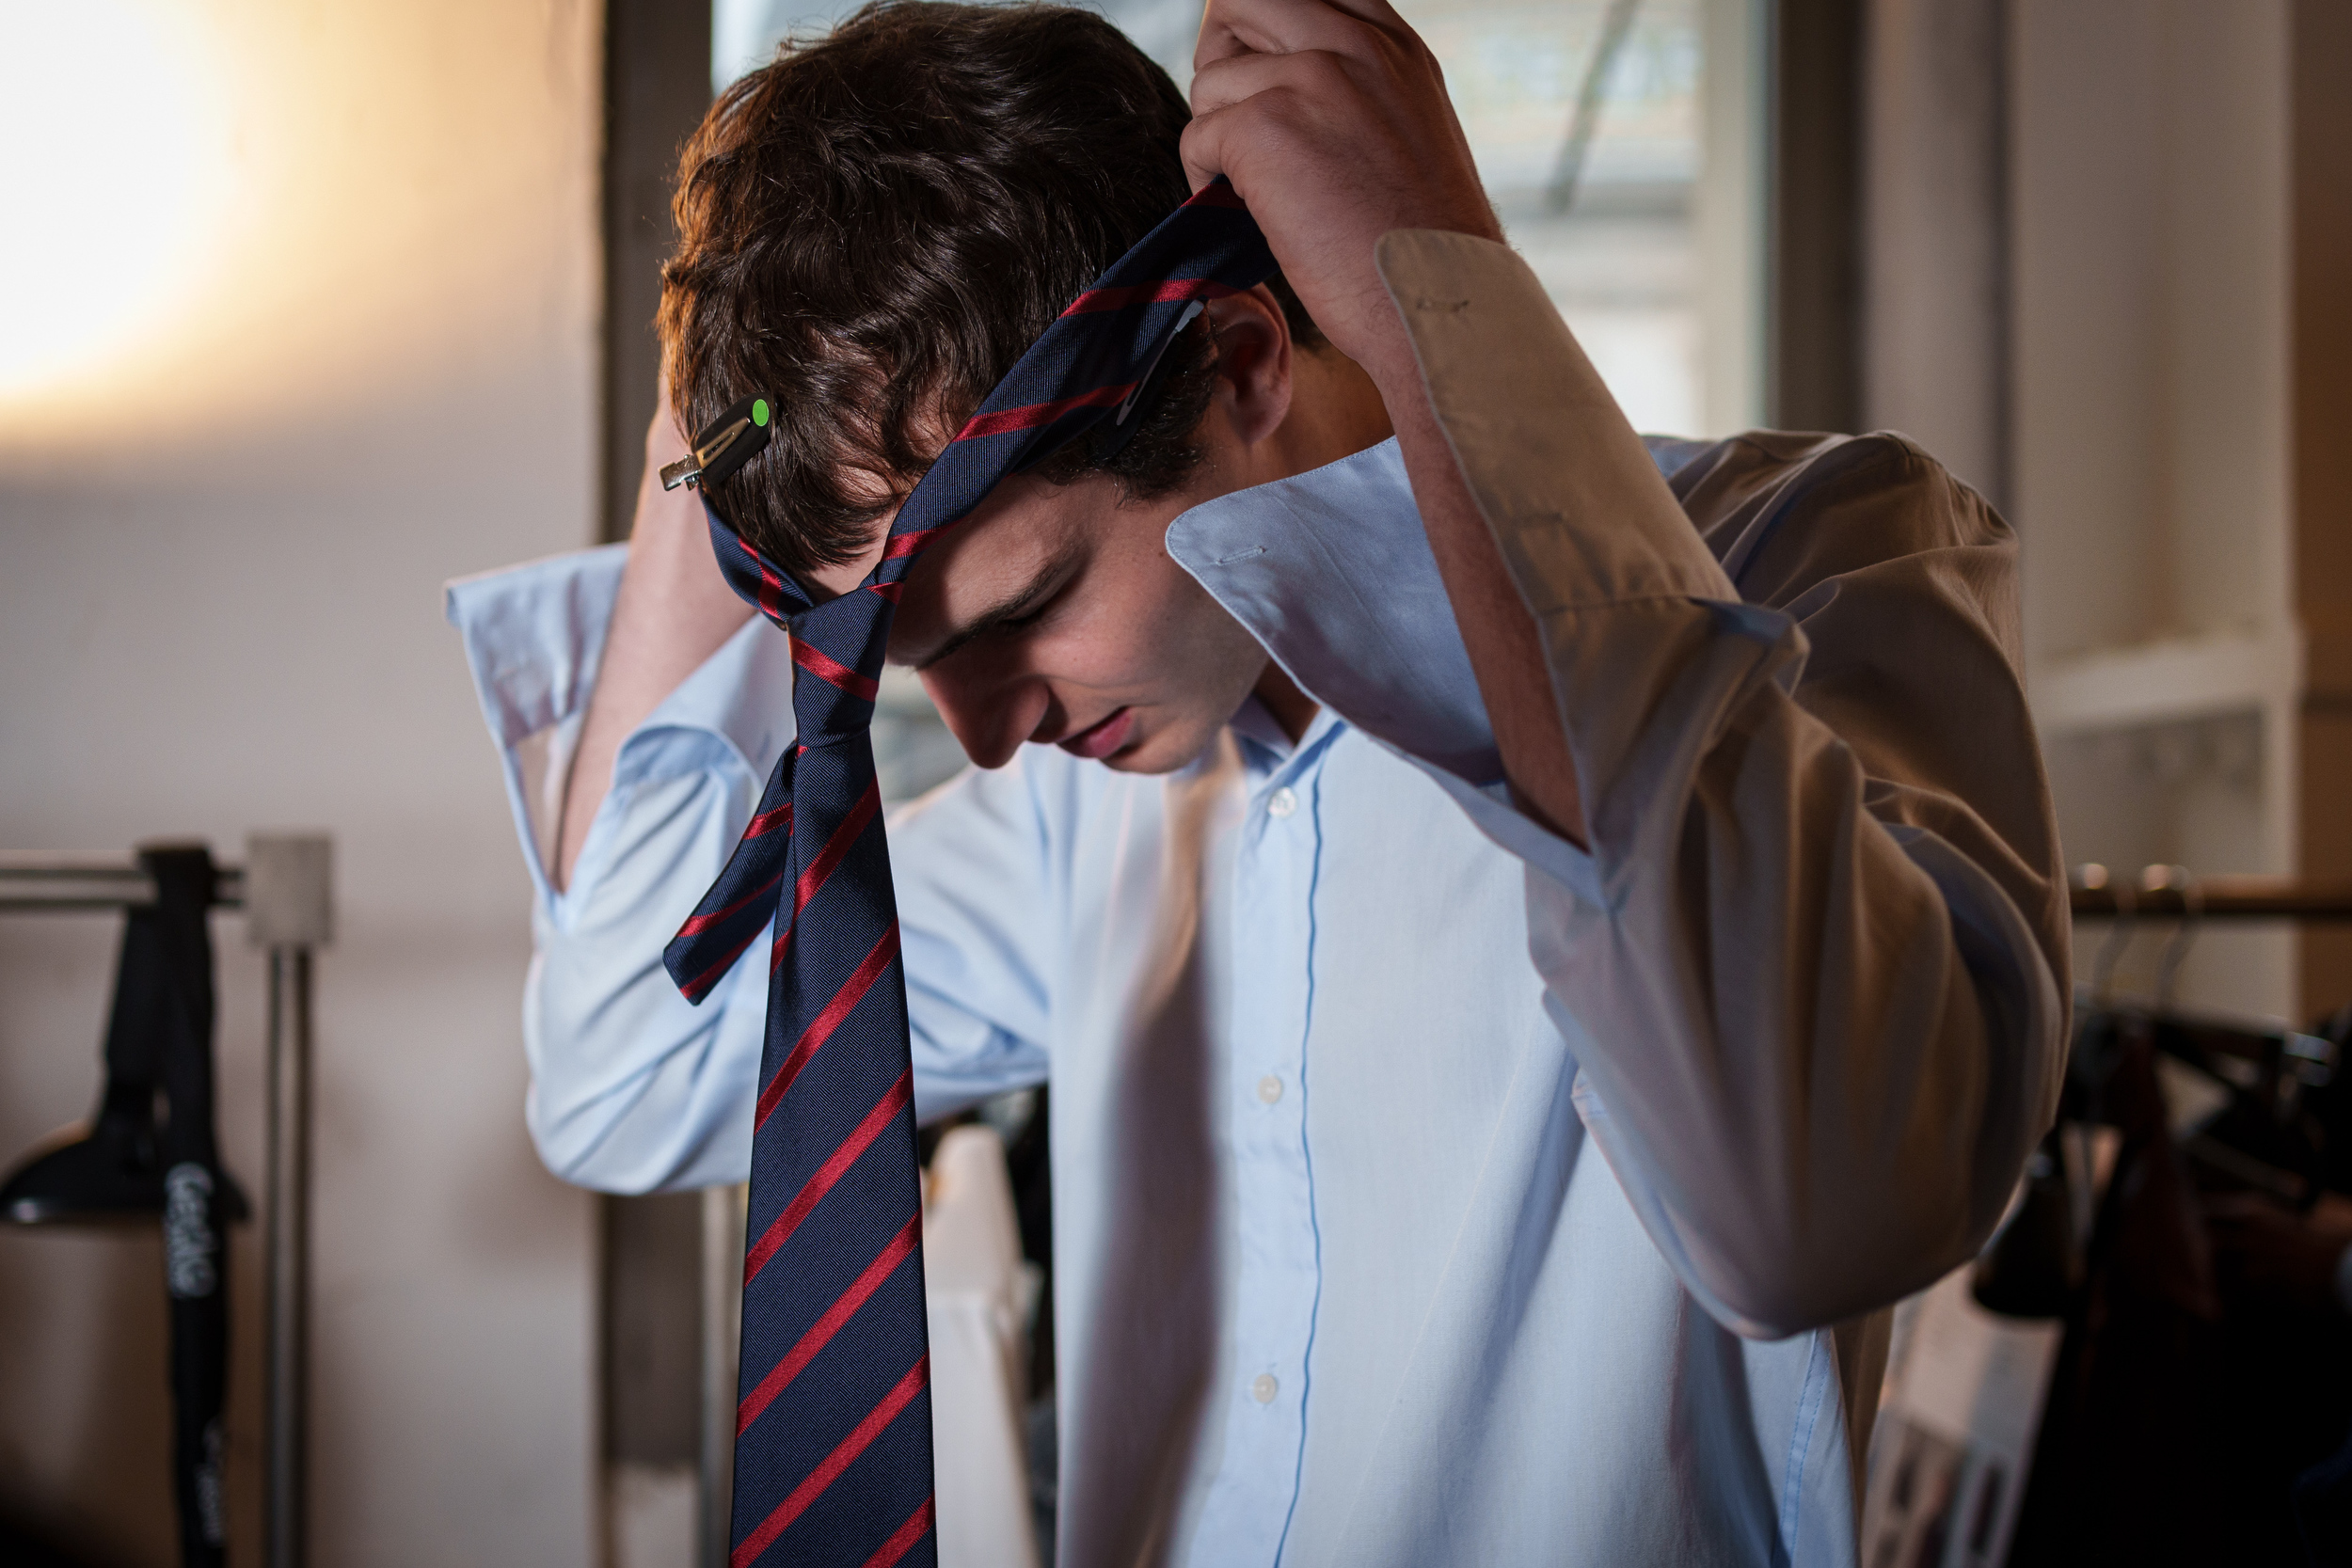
point(289, 1238)
point(722, 1321)
point(289, 911)
point(285, 889)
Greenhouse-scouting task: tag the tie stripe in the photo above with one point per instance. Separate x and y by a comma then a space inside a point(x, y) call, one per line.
point(833, 1174)
point(902, 1247)
point(820, 1028)
point(704, 921)
point(859, 1440)
point(919, 1525)
point(698, 985)
point(837, 848)
point(832, 1170)
point(825, 667)
point(1039, 415)
point(820, 872)
point(1175, 290)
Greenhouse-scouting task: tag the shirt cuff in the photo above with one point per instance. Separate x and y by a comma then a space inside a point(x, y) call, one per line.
point(1576, 501)
point(534, 638)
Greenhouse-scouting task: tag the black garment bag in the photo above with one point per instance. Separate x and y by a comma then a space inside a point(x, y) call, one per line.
point(124, 1167)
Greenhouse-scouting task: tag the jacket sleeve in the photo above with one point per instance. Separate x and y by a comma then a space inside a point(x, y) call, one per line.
point(1813, 959)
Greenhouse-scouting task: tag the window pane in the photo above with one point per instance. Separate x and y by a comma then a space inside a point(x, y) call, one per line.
point(1586, 119)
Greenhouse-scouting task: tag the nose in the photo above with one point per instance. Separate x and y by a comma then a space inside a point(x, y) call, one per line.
point(989, 716)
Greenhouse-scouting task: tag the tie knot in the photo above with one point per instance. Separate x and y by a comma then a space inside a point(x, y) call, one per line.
point(837, 648)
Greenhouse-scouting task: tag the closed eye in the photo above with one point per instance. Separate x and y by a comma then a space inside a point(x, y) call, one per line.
point(1021, 623)
point(1018, 614)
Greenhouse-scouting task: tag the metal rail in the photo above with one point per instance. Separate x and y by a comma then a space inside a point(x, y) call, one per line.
point(2210, 898)
point(34, 884)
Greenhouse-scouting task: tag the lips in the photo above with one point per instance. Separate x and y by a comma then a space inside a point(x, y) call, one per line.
point(1100, 740)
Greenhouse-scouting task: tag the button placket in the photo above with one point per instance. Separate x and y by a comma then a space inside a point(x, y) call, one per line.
point(1277, 1268)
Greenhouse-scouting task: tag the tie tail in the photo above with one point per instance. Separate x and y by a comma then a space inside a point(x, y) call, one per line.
point(743, 901)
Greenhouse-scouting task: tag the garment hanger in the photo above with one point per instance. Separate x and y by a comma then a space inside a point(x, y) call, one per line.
point(2253, 1136)
point(2233, 1086)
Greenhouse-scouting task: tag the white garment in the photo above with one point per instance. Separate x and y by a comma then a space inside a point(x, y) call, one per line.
point(973, 1297)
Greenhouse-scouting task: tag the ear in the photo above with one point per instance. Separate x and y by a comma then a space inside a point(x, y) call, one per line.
point(1253, 363)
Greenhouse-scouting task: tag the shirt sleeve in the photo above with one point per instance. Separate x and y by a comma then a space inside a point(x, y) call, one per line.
point(633, 1088)
point(980, 921)
point(1814, 958)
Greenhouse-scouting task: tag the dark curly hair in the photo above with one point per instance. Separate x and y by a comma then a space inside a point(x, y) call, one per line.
point(873, 229)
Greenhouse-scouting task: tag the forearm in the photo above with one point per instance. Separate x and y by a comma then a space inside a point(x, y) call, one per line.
point(675, 610)
point(1505, 648)
point(1823, 1030)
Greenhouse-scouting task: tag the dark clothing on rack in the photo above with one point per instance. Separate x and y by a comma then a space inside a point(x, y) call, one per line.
point(2193, 1387)
point(178, 958)
point(125, 1166)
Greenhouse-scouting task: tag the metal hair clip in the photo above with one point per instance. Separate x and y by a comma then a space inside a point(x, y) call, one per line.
point(1129, 418)
point(725, 444)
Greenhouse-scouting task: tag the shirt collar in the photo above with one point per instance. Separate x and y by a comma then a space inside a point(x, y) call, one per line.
point(1330, 570)
point(1269, 754)
point(1256, 725)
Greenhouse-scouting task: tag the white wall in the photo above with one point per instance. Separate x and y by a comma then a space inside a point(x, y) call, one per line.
point(2151, 200)
point(367, 366)
point(2148, 179)
point(1934, 296)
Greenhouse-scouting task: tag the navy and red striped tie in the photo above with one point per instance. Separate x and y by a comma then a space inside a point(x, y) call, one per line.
point(833, 1451)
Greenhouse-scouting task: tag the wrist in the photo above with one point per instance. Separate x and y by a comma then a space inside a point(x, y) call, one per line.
point(1393, 367)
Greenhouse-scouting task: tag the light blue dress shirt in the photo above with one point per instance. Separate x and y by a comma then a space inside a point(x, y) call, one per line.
point(1354, 1264)
point(1430, 1189)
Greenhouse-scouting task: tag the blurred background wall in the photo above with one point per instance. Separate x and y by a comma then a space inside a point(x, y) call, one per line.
point(298, 307)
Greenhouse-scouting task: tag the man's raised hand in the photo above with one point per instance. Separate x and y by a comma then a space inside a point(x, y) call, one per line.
point(1331, 119)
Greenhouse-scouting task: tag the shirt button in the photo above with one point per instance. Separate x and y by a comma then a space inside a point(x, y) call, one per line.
point(1269, 1088)
point(1263, 1389)
point(1282, 802)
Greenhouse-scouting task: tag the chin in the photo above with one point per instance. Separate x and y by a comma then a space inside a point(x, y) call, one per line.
point(1165, 748)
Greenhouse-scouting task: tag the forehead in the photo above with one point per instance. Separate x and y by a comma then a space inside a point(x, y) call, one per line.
point(1024, 529)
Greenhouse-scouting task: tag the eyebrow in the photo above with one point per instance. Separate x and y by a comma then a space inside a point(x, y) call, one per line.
point(1048, 582)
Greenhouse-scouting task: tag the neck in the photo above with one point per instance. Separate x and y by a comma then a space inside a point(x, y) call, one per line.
point(1280, 695)
point(1336, 411)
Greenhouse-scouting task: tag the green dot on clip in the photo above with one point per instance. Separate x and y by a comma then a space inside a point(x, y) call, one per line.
point(760, 412)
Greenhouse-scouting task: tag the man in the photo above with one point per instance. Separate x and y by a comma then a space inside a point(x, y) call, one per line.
point(1530, 955)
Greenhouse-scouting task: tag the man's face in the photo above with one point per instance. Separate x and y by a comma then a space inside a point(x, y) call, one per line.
point(1054, 614)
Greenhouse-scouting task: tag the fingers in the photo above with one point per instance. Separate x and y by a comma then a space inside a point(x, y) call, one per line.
point(1224, 83)
point(1202, 149)
point(1231, 28)
point(1257, 108)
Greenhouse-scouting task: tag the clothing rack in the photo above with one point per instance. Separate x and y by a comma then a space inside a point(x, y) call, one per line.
point(2167, 892)
point(2122, 1250)
point(285, 892)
